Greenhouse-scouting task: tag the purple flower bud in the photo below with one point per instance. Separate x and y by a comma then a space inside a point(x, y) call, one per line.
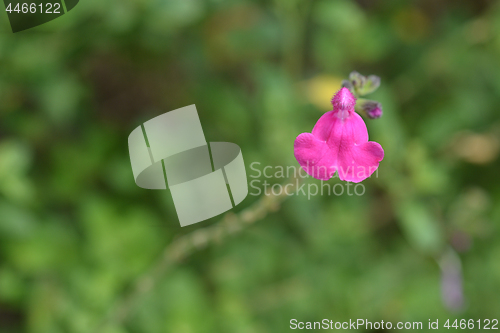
point(368, 108)
point(374, 110)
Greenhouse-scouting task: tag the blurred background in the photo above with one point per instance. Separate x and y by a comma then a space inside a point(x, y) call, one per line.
point(76, 232)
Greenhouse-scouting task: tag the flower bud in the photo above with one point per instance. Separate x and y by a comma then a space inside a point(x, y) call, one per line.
point(363, 85)
point(357, 80)
point(368, 108)
point(371, 84)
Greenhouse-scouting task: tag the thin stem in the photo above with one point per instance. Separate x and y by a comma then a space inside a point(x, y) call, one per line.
point(186, 245)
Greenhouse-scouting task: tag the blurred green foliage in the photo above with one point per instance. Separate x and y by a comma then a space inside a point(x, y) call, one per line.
point(76, 232)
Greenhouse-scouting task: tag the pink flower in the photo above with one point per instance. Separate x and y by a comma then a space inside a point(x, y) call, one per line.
point(339, 142)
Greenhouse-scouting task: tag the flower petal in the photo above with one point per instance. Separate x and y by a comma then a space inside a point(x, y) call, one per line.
point(314, 156)
point(357, 163)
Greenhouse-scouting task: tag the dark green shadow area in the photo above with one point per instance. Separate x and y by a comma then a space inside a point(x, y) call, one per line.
point(25, 15)
point(70, 4)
